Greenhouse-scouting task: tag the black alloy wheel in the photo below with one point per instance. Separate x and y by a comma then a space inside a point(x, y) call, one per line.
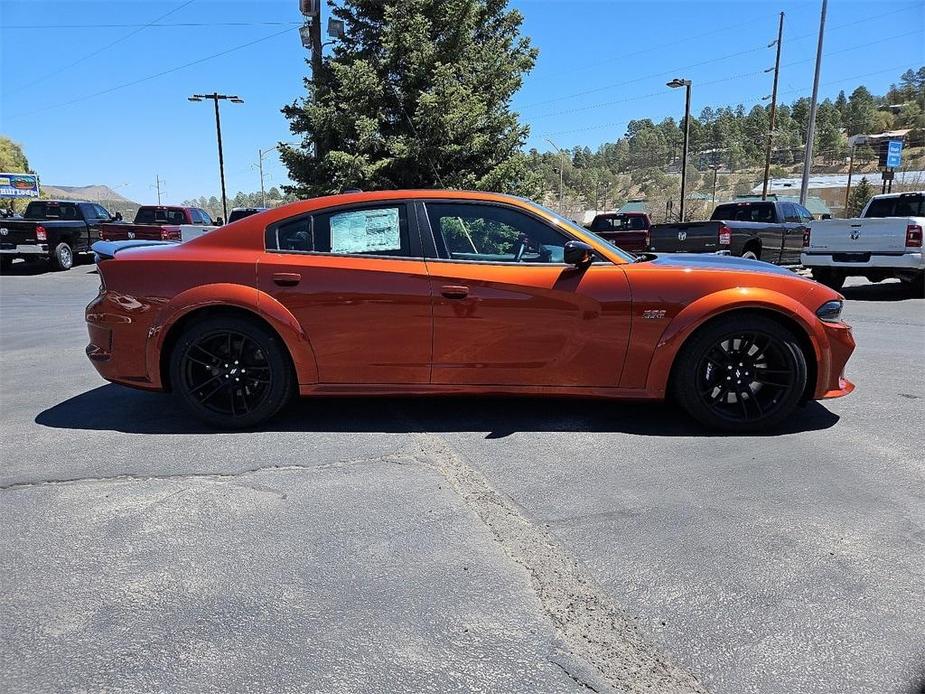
point(741, 374)
point(231, 372)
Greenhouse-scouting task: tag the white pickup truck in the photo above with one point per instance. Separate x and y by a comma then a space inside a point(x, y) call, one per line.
point(885, 241)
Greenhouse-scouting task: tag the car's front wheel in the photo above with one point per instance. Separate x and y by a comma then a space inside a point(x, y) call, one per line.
point(231, 372)
point(741, 373)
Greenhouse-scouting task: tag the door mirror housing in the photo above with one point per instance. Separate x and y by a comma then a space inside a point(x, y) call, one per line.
point(579, 254)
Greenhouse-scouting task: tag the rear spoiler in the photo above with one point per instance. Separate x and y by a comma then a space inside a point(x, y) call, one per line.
point(106, 250)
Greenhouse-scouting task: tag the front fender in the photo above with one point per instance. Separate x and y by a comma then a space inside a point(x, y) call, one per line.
point(238, 296)
point(707, 307)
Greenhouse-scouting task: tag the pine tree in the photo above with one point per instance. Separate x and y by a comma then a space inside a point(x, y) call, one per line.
point(858, 197)
point(416, 95)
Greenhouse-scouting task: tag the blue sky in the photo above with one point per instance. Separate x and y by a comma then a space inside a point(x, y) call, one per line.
point(601, 64)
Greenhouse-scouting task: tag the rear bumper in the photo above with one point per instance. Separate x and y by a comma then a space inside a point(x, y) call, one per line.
point(26, 249)
point(118, 326)
point(831, 381)
point(874, 261)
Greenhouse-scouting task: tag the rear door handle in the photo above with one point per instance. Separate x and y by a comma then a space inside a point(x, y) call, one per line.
point(452, 291)
point(287, 279)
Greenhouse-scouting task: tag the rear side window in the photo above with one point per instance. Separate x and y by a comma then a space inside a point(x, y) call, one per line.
point(902, 206)
point(379, 230)
point(745, 212)
point(204, 217)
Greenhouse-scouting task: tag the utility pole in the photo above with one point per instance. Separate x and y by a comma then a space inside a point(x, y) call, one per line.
point(811, 129)
point(561, 174)
point(715, 168)
point(850, 171)
point(310, 33)
point(157, 185)
point(263, 195)
point(216, 97)
point(767, 157)
point(674, 84)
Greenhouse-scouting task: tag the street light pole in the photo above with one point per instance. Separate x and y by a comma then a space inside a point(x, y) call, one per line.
point(561, 174)
point(216, 97)
point(811, 129)
point(674, 84)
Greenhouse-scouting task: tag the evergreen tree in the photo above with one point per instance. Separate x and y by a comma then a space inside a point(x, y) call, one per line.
point(417, 94)
point(858, 197)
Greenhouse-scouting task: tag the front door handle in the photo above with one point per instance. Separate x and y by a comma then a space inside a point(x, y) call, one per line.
point(452, 291)
point(287, 279)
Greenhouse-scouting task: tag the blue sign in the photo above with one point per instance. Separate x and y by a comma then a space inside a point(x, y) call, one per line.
point(894, 154)
point(17, 185)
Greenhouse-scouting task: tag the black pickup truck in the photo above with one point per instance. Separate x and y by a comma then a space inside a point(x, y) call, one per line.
point(56, 230)
point(766, 230)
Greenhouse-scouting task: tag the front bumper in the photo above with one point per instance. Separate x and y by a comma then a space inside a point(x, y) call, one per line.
point(831, 381)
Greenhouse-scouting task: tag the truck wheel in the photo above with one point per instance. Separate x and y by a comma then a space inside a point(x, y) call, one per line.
point(63, 257)
point(6, 262)
point(751, 254)
point(831, 278)
point(231, 372)
point(915, 285)
point(741, 373)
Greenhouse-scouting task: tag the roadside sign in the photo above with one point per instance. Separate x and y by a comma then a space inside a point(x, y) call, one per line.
point(18, 185)
point(894, 154)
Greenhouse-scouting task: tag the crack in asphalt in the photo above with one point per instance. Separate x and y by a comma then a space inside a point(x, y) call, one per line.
point(594, 628)
point(398, 459)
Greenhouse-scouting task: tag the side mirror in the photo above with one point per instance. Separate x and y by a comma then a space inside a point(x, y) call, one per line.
point(578, 253)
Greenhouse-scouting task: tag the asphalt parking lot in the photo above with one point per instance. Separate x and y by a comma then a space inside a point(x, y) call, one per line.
point(467, 545)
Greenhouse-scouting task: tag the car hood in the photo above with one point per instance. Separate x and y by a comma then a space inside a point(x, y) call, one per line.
point(706, 261)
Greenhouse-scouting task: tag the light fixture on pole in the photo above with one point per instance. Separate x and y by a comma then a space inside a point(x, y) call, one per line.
point(675, 84)
point(216, 97)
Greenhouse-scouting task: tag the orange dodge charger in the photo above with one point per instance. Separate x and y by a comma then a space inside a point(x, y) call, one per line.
point(448, 292)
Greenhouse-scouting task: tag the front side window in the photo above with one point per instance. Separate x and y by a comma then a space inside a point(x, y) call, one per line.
point(380, 230)
point(490, 233)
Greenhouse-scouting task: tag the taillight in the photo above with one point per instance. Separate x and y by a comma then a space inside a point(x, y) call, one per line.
point(40, 233)
point(913, 236)
point(725, 235)
point(806, 234)
point(648, 240)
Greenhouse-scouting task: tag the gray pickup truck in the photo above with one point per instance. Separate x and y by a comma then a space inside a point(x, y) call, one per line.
point(766, 230)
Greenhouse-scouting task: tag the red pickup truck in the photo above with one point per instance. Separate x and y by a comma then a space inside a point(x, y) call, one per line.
point(626, 230)
point(161, 223)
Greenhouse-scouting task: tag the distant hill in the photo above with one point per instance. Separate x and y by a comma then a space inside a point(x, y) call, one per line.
point(92, 193)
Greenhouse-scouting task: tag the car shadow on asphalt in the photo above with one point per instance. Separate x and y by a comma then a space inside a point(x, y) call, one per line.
point(40, 267)
point(116, 408)
point(880, 291)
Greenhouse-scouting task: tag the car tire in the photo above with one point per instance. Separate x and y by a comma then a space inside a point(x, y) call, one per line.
point(6, 262)
point(741, 373)
point(231, 372)
point(63, 257)
point(831, 278)
point(914, 286)
point(751, 254)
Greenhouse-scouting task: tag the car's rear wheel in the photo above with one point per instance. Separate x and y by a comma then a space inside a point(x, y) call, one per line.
point(831, 278)
point(740, 373)
point(751, 254)
point(6, 262)
point(63, 257)
point(231, 372)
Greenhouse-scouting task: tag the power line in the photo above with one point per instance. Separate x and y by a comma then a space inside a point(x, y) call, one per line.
point(103, 49)
point(154, 76)
point(681, 69)
point(153, 25)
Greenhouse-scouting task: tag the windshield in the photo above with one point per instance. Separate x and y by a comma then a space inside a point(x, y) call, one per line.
point(580, 231)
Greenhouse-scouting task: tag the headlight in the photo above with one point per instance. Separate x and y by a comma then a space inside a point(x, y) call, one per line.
point(830, 311)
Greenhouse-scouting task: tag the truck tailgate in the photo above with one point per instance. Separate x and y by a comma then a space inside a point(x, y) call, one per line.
point(686, 237)
point(147, 232)
point(875, 235)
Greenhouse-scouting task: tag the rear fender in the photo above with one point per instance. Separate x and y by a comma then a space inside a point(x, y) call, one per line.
point(700, 311)
point(234, 296)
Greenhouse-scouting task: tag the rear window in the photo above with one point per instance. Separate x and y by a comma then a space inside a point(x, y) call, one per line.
point(902, 206)
point(619, 222)
point(241, 214)
point(745, 212)
point(160, 215)
point(51, 210)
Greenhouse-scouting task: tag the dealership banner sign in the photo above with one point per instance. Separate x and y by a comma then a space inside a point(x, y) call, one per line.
point(17, 185)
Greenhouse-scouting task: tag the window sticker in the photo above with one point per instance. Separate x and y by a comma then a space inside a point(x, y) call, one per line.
point(365, 231)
